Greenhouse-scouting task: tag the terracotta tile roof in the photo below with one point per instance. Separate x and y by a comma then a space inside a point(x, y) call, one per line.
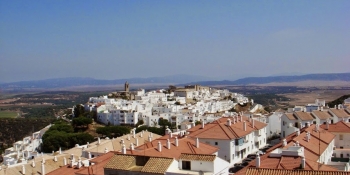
point(337, 127)
point(290, 116)
point(266, 171)
point(96, 169)
point(339, 112)
point(323, 115)
point(185, 145)
point(318, 142)
point(304, 115)
point(157, 165)
point(285, 163)
point(220, 130)
point(121, 162)
point(199, 157)
point(115, 144)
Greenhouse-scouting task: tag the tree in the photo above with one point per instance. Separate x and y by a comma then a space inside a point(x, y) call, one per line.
point(113, 131)
point(79, 110)
point(81, 122)
point(140, 122)
point(198, 122)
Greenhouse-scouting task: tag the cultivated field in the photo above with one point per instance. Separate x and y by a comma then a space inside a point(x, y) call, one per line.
point(8, 114)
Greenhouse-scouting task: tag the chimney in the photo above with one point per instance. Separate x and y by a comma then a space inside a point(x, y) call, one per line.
point(168, 143)
point(106, 150)
point(33, 163)
point(300, 125)
point(23, 169)
point(149, 138)
point(197, 142)
point(43, 161)
point(244, 126)
point(60, 151)
point(159, 146)
point(136, 142)
point(202, 124)
point(151, 134)
point(64, 161)
point(42, 169)
point(253, 122)
point(234, 120)
point(308, 136)
point(170, 135)
point(303, 162)
point(98, 141)
point(141, 134)
point(228, 122)
point(242, 117)
point(327, 124)
point(128, 137)
point(55, 158)
point(307, 124)
point(321, 108)
point(284, 143)
point(176, 141)
point(133, 132)
point(131, 146)
point(193, 124)
point(79, 163)
point(297, 143)
point(123, 149)
point(89, 155)
point(257, 163)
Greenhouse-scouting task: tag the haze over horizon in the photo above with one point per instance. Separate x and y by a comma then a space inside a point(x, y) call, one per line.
point(126, 39)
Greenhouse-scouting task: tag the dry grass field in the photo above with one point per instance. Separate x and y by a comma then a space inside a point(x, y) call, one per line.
point(310, 97)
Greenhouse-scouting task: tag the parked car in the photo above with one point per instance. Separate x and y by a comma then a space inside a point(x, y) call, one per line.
point(260, 153)
point(247, 160)
point(237, 164)
point(251, 156)
point(235, 169)
point(244, 164)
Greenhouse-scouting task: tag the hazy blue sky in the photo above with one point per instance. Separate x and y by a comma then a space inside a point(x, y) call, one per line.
point(124, 39)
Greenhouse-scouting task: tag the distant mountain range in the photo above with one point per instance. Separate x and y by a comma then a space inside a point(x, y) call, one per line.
point(78, 81)
point(174, 79)
point(279, 79)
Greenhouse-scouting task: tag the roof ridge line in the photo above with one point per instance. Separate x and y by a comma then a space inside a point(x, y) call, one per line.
point(224, 131)
point(191, 147)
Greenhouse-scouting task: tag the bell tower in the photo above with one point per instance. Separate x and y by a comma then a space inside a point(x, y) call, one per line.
point(126, 87)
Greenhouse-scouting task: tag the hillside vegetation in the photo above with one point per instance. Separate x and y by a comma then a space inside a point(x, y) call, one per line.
point(14, 129)
point(337, 101)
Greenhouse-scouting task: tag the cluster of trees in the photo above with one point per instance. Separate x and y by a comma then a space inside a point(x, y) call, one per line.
point(338, 101)
point(62, 135)
point(113, 131)
point(163, 123)
point(81, 123)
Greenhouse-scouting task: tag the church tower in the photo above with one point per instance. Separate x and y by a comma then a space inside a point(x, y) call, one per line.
point(126, 87)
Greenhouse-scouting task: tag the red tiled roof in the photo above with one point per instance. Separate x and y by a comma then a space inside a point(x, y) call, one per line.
point(220, 130)
point(314, 147)
point(186, 145)
point(304, 115)
point(268, 171)
point(337, 127)
point(323, 115)
point(339, 112)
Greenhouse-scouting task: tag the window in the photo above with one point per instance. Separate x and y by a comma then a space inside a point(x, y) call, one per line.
point(283, 123)
point(216, 143)
point(340, 136)
point(186, 165)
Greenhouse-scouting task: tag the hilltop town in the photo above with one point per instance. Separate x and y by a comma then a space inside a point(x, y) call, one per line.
point(207, 131)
